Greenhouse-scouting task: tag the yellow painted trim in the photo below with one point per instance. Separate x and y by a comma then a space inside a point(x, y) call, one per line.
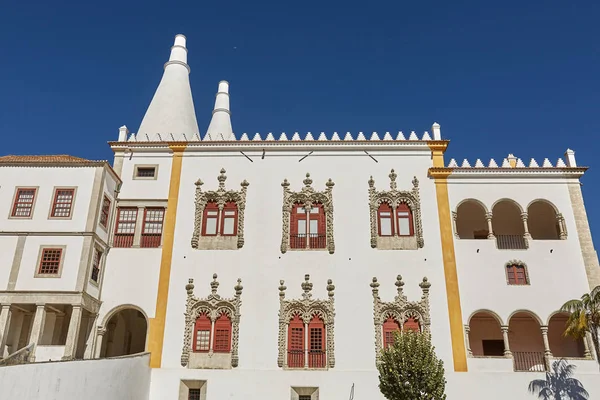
point(157, 324)
point(437, 152)
point(452, 292)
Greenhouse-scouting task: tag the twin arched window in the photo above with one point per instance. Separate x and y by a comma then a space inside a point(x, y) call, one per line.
point(204, 333)
point(306, 343)
point(217, 222)
point(308, 227)
point(391, 325)
point(396, 221)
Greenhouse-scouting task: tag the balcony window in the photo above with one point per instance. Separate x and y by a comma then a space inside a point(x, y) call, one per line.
point(508, 225)
point(152, 227)
point(295, 358)
point(125, 226)
point(307, 225)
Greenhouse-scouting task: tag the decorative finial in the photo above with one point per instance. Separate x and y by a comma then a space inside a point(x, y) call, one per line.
point(330, 288)
point(238, 288)
point(222, 178)
point(393, 176)
point(307, 287)
point(244, 184)
point(375, 285)
point(214, 284)
point(285, 183)
point(199, 182)
point(189, 288)
point(371, 182)
point(282, 288)
point(415, 182)
point(425, 285)
point(330, 184)
point(307, 181)
point(399, 284)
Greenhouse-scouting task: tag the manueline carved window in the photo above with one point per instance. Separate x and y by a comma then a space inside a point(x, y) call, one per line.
point(306, 329)
point(307, 218)
point(399, 315)
point(219, 216)
point(395, 216)
point(212, 327)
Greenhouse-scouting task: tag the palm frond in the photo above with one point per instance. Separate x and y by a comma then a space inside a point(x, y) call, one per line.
point(572, 306)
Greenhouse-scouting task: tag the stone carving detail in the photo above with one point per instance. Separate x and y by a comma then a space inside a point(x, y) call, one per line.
point(395, 197)
point(306, 308)
point(400, 309)
point(214, 306)
point(220, 196)
point(307, 196)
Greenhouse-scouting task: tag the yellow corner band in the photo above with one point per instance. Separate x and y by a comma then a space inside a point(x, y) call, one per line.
point(157, 324)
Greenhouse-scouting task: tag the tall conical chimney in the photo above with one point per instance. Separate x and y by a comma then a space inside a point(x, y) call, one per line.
point(220, 124)
point(172, 107)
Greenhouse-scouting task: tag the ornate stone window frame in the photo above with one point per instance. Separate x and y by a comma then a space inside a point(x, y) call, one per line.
point(400, 309)
point(214, 306)
point(306, 308)
point(394, 197)
point(220, 196)
point(307, 196)
point(521, 264)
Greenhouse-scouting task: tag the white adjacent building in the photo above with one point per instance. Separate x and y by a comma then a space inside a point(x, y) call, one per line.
point(277, 267)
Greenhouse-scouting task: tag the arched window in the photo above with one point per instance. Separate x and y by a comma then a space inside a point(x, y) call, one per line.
point(296, 343)
point(202, 330)
point(229, 219)
point(307, 223)
point(316, 330)
point(516, 274)
point(222, 335)
point(210, 220)
point(385, 220)
point(411, 324)
point(389, 327)
point(405, 220)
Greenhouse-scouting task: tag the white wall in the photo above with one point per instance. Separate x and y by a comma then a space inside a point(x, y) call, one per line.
point(146, 188)
point(126, 378)
point(8, 245)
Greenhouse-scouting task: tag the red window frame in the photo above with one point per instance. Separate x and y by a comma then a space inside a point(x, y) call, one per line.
point(411, 324)
point(389, 327)
point(152, 226)
point(295, 343)
point(203, 323)
point(125, 226)
point(229, 207)
point(105, 211)
point(385, 207)
point(211, 206)
point(64, 204)
point(25, 204)
point(516, 274)
point(50, 261)
point(316, 342)
point(222, 342)
point(96, 266)
point(402, 207)
point(297, 239)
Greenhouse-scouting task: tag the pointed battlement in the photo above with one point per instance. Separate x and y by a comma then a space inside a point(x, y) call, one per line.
point(512, 162)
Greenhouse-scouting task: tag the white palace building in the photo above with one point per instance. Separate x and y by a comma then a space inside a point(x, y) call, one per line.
point(213, 266)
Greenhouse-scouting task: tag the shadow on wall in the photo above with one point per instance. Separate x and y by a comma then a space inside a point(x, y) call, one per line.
point(559, 384)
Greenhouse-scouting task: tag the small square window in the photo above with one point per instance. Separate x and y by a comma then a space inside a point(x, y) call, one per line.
point(145, 172)
point(50, 261)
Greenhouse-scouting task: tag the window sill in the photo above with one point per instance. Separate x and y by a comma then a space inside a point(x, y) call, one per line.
point(397, 243)
point(209, 360)
point(217, 243)
point(285, 368)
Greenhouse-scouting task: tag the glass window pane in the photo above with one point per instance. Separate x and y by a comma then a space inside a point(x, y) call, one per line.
point(314, 226)
point(384, 213)
point(302, 227)
point(228, 226)
point(386, 226)
point(402, 214)
point(314, 210)
point(228, 213)
point(300, 210)
point(211, 226)
point(212, 212)
point(403, 226)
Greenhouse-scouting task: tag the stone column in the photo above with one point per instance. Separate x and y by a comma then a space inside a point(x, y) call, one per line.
point(562, 229)
point(89, 344)
point(306, 344)
point(586, 346)
point(73, 334)
point(488, 218)
point(467, 331)
point(139, 225)
point(5, 314)
point(507, 352)
point(37, 329)
point(524, 217)
point(547, 352)
point(99, 339)
point(454, 218)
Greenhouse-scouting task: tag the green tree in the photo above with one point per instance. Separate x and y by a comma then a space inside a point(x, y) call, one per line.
point(410, 370)
point(559, 384)
point(584, 317)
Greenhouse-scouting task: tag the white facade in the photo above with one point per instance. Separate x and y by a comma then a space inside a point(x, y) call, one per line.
point(474, 307)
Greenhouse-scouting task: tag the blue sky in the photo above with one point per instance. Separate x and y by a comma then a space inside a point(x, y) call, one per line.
point(509, 77)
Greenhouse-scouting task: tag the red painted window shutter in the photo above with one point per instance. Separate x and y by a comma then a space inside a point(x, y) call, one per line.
point(385, 220)
point(202, 330)
point(516, 274)
point(229, 219)
point(222, 334)
point(411, 324)
point(210, 219)
point(389, 327)
point(296, 343)
point(404, 220)
point(316, 330)
point(297, 238)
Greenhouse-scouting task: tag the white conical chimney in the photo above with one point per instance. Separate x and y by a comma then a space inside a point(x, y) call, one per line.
point(172, 107)
point(220, 124)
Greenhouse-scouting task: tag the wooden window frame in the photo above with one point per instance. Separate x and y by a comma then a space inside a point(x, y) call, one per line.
point(153, 239)
point(54, 208)
point(391, 218)
point(390, 325)
point(118, 221)
point(202, 323)
point(310, 240)
point(16, 202)
point(411, 324)
point(296, 323)
point(96, 265)
point(137, 167)
point(229, 206)
point(105, 211)
point(403, 207)
point(210, 206)
point(222, 324)
point(511, 272)
point(317, 358)
point(42, 252)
